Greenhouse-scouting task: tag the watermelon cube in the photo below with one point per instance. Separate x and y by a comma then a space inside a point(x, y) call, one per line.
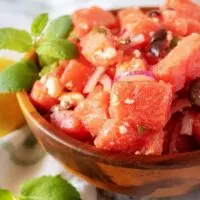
point(122, 137)
point(66, 121)
point(145, 103)
point(93, 112)
point(130, 16)
point(40, 97)
point(85, 19)
point(135, 24)
point(181, 64)
point(185, 8)
point(179, 25)
point(76, 75)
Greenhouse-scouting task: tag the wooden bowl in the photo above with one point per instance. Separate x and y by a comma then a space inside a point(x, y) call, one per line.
point(155, 176)
point(152, 176)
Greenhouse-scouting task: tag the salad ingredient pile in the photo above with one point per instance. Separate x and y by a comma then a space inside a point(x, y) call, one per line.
point(125, 82)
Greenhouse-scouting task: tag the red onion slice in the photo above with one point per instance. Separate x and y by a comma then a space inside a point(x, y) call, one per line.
point(94, 79)
point(187, 124)
point(136, 76)
point(106, 81)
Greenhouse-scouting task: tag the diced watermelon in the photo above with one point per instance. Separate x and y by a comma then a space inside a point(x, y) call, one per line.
point(180, 26)
point(40, 97)
point(135, 24)
point(181, 64)
point(122, 137)
point(130, 16)
point(100, 49)
point(144, 27)
point(145, 103)
point(76, 76)
point(69, 124)
point(185, 8)
point(93, 112)
point(85, 19)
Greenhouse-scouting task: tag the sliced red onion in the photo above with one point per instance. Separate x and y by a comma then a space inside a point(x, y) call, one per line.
point(187, 124)
point(179, 105)
point(106, 81)
point(94, 79)
point(135, 76)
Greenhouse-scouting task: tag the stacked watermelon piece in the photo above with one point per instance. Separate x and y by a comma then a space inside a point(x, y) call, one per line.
point(130, 89)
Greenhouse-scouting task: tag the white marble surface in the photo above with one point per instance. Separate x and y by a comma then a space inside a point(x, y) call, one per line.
point(19, 13)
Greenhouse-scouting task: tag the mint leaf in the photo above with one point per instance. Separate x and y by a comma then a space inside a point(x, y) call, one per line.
point(59, 28)
point(60, 49)
point(48, 69)
point(5, 195)
point(48, 188)
point(14, 39)
point(18, 76)
point(46, 60)
point(39, 24)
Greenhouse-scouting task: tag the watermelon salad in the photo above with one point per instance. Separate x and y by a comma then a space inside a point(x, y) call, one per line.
point(134, 88)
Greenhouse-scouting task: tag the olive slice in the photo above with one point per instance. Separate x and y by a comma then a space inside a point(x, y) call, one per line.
point(195, 93)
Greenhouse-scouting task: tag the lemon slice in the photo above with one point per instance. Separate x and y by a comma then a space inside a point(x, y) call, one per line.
point(11, 116)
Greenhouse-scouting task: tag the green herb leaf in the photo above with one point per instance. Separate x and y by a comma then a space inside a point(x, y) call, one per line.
point(59, 49)
point(18, 76)
point(14, 39)
point(48, 188)
point(59, 28)
point(140, 129)
point(5, 195)
point(48, 69)
point(39, 24)
point(46, 60)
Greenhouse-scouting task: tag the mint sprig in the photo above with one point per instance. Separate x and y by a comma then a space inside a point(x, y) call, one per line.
point(5, 195)
point(50, 47)
point(44, 188)
point(14, 39)
point(39, 23)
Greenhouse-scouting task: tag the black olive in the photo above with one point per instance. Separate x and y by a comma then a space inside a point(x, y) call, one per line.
point(156, 48)
point(157, 42)
point(154, 13)
point(161, 34)
point(195, 93)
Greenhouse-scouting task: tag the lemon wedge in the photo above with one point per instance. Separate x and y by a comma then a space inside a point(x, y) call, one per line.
point(11, 116)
